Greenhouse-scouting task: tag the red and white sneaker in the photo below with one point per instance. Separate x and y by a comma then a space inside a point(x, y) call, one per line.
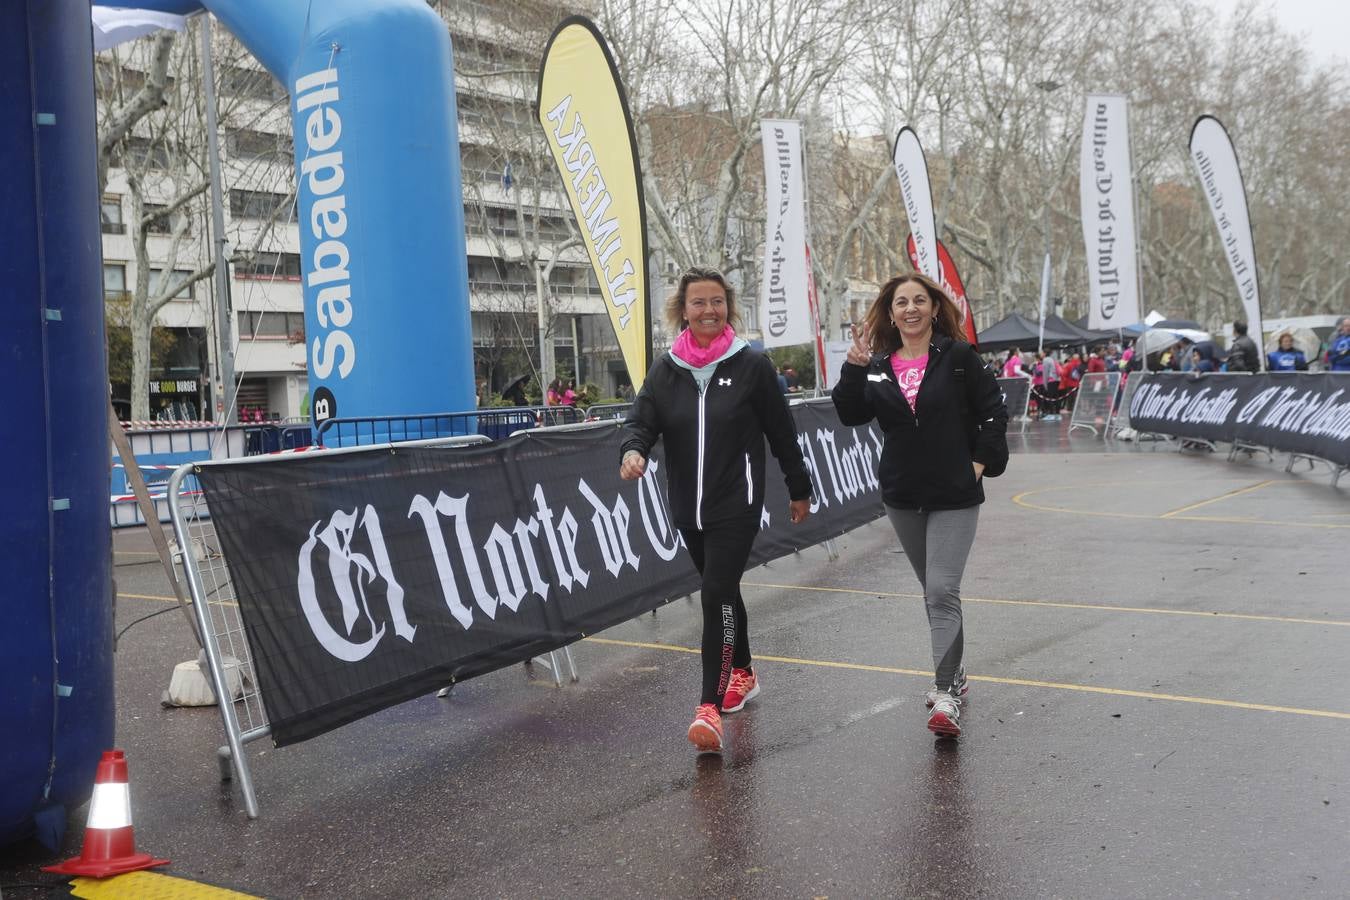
point(744, 686)
point(945, 715)
point(960, 688)
point(705, 732)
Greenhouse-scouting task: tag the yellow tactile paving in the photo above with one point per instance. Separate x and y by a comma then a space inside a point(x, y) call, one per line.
point(150, 886)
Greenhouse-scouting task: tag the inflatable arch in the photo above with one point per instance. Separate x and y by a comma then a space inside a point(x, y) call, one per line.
point(386, 315)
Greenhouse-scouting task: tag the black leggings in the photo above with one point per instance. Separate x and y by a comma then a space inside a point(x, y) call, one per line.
point(720, 554)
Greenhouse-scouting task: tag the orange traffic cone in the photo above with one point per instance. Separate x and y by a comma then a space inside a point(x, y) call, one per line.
point(109, 843)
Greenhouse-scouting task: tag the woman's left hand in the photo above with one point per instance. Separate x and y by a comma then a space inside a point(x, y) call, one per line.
point(979, 470)
point(798, 511)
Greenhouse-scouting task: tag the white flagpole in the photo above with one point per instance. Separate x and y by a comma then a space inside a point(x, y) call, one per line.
point(1045, 295)
point(813, 295)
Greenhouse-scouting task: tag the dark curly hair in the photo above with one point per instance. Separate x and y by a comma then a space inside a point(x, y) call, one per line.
point(886, 336)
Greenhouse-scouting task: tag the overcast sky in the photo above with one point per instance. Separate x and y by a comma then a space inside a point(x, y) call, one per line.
point(1323, 25)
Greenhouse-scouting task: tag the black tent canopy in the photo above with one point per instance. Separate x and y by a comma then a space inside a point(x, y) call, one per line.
point(1018, 331)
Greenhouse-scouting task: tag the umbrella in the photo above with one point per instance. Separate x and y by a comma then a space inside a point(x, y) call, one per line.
point(515, 389)
point(1209, 350)
point(1178, 325)
point(1156, 339)
point(1305, 339)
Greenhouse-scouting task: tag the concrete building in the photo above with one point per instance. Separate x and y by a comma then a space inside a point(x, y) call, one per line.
point(516, 220)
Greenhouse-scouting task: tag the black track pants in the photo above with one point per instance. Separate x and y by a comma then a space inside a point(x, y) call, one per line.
point(720, 554)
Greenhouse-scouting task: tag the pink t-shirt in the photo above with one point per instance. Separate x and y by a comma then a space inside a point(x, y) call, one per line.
point(909, 375)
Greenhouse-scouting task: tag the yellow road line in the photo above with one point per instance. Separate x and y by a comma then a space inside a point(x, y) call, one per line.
point(1172, 517)
point(990, 679)
point(1175, 515)
point(1062, 605)
point(1048, 603)
point(1224, 496)
point(1020, 500)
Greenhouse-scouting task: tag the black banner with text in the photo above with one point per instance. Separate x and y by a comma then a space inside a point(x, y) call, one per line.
point(368, 578)
point(1298, 412)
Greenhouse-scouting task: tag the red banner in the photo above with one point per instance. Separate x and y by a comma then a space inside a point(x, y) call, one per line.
point(950, 281)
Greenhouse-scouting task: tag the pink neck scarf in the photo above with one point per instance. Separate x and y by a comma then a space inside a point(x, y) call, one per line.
point(687, 349)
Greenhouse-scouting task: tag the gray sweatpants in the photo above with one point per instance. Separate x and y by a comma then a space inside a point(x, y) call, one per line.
point(937, 543)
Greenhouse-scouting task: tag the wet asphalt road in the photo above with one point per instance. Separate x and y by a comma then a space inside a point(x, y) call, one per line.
point(1159, 646)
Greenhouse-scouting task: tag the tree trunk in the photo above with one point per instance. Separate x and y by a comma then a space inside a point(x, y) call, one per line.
point(140, 367)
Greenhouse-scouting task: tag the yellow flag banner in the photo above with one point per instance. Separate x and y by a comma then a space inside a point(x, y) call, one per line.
point(584, 113)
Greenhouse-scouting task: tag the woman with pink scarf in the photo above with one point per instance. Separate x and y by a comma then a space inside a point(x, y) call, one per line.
point(713, 401)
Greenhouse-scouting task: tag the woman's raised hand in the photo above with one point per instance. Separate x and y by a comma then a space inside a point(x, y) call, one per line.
point(860, 352)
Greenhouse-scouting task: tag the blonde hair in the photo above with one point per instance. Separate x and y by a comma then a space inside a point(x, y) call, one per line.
point(675, 303)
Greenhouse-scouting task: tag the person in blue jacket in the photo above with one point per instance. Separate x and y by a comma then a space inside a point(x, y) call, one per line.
point(1338, 354)
point(714, 402)
point(1286, 358)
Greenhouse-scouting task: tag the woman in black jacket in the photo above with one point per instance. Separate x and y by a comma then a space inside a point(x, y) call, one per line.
point(713, 401)
point(945, 428)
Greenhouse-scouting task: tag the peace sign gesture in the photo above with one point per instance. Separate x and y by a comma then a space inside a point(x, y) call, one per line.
point(860, 351)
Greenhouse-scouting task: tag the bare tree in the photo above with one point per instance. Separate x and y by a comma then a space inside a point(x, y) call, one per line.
point(152, 127)
point(701, 77)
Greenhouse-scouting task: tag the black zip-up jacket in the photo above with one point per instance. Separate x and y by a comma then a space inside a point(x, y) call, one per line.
point(714, 443)
point(928, 451)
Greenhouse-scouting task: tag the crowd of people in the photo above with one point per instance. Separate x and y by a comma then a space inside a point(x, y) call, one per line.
point(1055, 376)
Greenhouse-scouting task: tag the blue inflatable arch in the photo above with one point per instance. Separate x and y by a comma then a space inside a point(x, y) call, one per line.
point(380, 206)
point(386, 318)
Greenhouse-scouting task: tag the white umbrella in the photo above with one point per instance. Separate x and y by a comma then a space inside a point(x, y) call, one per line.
point(1305, 339)
point(117, 26)
point(1156, 339)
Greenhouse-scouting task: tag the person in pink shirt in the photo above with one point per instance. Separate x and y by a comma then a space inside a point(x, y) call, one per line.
point(1012, 366)
point(945, 425)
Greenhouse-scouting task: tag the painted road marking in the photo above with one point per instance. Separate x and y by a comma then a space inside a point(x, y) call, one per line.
point(1224, 496)
point(1172, 516)
point(991, 679)
point(1251, 617)
point(1060, 605)
point(174, 599)
point(924, 673)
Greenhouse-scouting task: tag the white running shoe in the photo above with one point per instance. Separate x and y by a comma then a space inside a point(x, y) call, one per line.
point(942, 721)
point(960, 687)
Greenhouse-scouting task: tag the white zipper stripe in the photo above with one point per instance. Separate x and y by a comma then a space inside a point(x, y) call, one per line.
point(698, 496)
point(749, 481)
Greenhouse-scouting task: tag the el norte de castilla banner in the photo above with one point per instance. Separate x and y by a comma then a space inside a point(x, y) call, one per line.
point(586, 121)
point(369, 577)
point(1216, 164)
point(927, 254)
point(911, 168)
point(1295, 412)
point(1106, 197)
point(785, 311)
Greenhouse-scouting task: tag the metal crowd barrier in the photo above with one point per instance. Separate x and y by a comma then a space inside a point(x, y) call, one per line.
point(215, 605)
point(601, 411)
point(492, 423)
point(160, 448)
point(1016, 397)
point(1095, 404)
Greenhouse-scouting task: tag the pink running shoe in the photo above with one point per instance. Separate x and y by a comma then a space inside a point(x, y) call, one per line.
point(744, 686)
point(705, 732)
